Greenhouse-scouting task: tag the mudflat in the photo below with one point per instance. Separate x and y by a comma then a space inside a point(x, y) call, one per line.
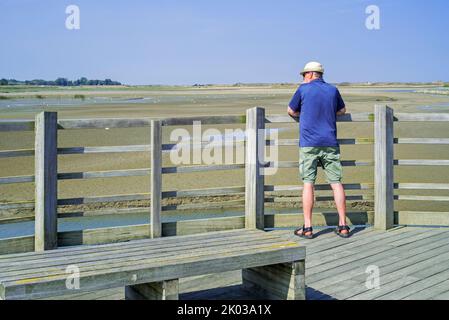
point(138, 102)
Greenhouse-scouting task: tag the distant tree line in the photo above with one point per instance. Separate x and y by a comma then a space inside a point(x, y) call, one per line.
point(60, 82)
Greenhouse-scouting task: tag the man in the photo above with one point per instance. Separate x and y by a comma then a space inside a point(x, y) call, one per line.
point(318, 104)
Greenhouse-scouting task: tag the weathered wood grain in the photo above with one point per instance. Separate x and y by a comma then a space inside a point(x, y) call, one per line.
point(254, 179)
point(46, 185)
point(421, 140)
point(429, 218)
point(422, 186)
point(319, 187)
point(16, 179)
point(137, 270)
point(156, 179)
point(163, 290)
point(409, 197)
point(295, 142)
point(383, 178)
point(421, 162)
point(436, 117)
point(356, 117)
point(280, 282)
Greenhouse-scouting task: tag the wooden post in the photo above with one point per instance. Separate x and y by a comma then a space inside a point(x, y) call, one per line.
point(164, 290)
point(384, 162)
point(156, 178)
point(254, 179)
point(46, 181)
point(278, 282)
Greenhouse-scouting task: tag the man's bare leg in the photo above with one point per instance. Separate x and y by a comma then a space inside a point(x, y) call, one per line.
point(308, 199)
point(340, 201)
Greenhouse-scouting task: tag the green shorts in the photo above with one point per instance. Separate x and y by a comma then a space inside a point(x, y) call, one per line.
point(327, 157)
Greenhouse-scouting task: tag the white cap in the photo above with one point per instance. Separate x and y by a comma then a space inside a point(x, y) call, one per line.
point(313, 67)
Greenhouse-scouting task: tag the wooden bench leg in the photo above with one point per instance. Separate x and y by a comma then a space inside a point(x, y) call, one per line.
point(278, 282)
point(164, 290)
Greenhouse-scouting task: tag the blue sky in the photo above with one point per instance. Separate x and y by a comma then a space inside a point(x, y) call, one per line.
point(199, 41)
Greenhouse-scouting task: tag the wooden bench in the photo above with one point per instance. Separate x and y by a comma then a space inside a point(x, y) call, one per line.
point(150, 268)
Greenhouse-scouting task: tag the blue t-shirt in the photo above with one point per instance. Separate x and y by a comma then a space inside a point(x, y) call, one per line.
point(318, 103)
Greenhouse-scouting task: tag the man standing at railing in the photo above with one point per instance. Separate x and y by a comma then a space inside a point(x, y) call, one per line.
point(318, 104)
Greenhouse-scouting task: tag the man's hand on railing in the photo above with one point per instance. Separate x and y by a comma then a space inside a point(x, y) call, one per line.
point(341, 112)
point(293, 114)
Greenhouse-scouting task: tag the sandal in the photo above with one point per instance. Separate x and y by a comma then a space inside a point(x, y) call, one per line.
point(303, 231)
point(339, 230)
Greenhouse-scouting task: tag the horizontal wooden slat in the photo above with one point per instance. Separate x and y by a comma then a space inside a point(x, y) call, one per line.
point(202, 168)
point(103, 123)
point(421, 117)
point(111, 198)
point(420, 162)
point(326, 218)
point(28, 125)
point(422, 218)
point(16, 125)
point(16, 205)
point(108, 149)
point(82, 175)
point(295, 142)
point(295, 164)
point(16, 245)
point(421, 140)
point(420, 198)
point(317, 198)
point(6, 219)
point(205, 205)
point(205, 120)
point(354, 117)
point(422, 186)
point(203, 192)
point(102, 212)
point(220, 141)
point(104, 174)
point(16, 153)
point(16, 179)
point(347, 186)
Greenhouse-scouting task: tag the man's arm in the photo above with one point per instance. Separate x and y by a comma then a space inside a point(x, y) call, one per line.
point(341, 107)
point(341, 111)
point(294, 107)
point(291, 113)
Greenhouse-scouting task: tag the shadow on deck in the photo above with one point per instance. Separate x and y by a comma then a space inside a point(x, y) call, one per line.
point(412, 263)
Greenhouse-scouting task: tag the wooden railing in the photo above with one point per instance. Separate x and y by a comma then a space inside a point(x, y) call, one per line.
point(46, 176)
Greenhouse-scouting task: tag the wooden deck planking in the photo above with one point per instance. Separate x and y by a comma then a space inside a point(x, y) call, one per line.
point(443, 296)
point(397, 279)
point(386, 262)
point(428, 293)
point(413, 263)
point(355, 281)
point(342, 257)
